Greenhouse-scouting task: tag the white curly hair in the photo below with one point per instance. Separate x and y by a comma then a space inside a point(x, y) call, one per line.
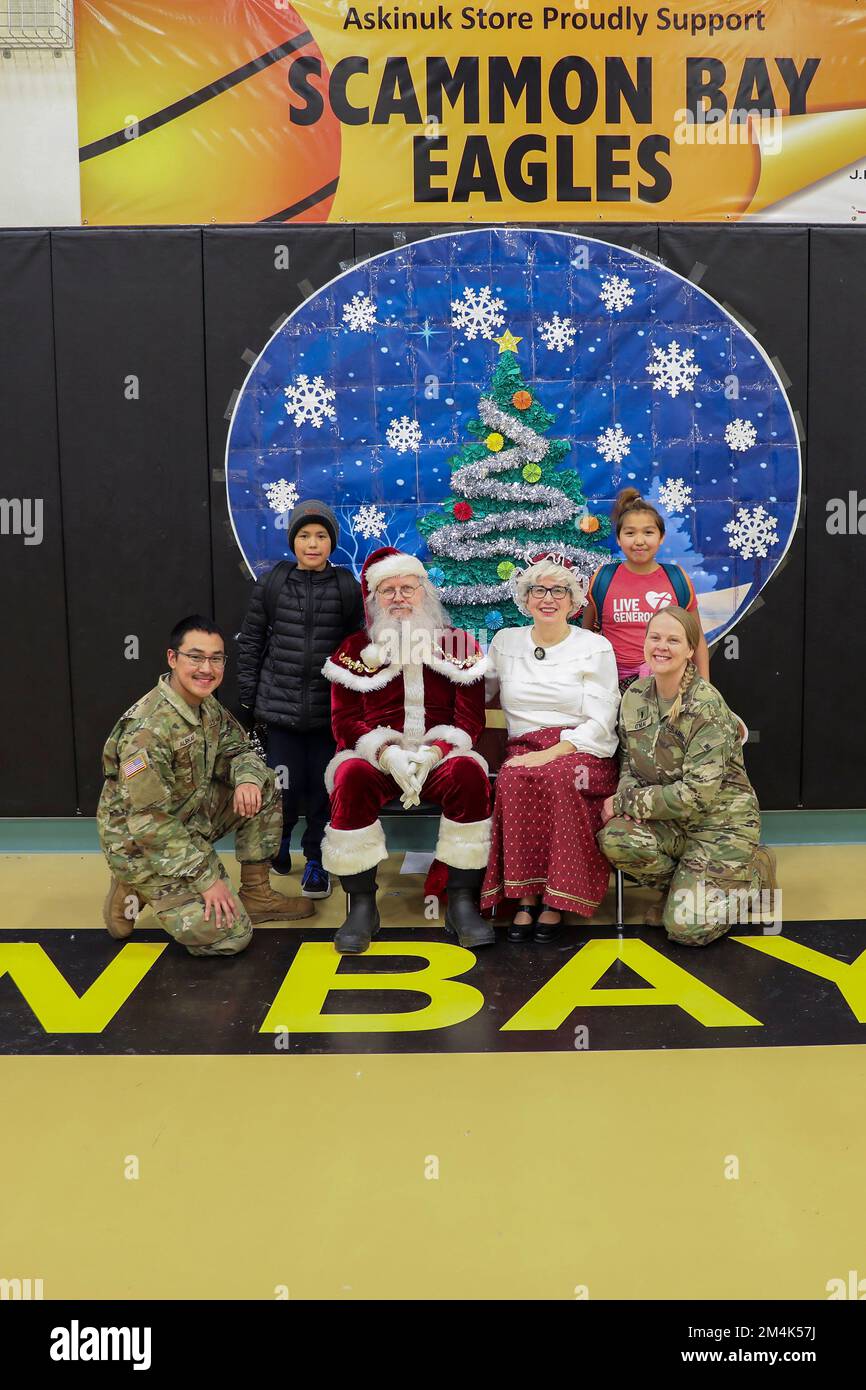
point(547, 572)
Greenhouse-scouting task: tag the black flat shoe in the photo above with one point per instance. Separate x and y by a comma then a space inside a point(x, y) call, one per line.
point(546, 931)
point(518, 932)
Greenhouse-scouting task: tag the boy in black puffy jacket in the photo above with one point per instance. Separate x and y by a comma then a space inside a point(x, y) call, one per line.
point(298, 615)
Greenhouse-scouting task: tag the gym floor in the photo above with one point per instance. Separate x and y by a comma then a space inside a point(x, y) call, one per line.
point(182, 1128)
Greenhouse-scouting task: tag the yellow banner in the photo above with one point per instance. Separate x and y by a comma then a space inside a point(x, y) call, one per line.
point(221, 111)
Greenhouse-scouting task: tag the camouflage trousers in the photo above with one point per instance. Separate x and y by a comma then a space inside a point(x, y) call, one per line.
point(706, 871)
point(178, 908)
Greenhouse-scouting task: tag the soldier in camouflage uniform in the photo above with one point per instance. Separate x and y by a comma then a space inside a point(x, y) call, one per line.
point(179, 774)
point(685, 818)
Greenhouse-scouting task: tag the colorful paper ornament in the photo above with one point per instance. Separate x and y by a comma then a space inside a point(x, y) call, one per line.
point(436, 575)
point(532, 472)
point(462, 511)
point(589, 523)
point(493, 620)
point(494, 442)
point(505, 569)
point(521, 400)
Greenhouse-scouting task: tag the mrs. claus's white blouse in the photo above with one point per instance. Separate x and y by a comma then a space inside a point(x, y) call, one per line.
point(575, 688)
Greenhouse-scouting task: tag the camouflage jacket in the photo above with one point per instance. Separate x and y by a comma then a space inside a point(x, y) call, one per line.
point(688, 772)
point(159, 762)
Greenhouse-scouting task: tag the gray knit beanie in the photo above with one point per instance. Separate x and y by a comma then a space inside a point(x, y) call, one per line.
point(308, 511)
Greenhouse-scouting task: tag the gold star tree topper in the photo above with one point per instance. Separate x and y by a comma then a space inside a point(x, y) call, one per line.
point(508, 342)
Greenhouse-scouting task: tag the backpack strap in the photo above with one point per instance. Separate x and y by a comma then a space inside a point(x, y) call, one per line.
point(679, 583)
point(599, 587)
point(273, 586)
point(346, 586)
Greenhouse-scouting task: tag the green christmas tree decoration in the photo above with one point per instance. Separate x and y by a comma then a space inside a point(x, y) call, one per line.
point(517, 500)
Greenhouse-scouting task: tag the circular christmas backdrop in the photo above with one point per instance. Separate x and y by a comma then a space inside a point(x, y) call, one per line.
point(479, 396)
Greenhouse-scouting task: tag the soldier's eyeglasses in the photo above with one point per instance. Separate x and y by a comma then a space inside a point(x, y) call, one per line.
point(558, 591)
point(199, 659)
point(405, 591)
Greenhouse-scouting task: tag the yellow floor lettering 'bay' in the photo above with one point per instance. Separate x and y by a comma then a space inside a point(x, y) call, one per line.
point(702, 1173)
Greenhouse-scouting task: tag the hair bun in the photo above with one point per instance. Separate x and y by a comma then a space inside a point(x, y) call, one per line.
point(625, 498)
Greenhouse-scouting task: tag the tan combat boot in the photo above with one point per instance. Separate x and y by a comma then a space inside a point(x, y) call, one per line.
point(765, 863)
point(654, 915)
point(262, 903)
point(116, 907)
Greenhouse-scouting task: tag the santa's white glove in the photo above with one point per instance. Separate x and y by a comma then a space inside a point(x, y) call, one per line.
point(396, 761)
point(425, 758)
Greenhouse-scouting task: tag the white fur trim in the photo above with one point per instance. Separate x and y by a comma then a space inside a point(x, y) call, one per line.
point(413, 706)
point(370, 745)
point(332, 672)
point(353, 851)
point(390, 567)
point(464, 845)
point(371, 655)
point(336, 761)
point(450, 734)
point(461, 675)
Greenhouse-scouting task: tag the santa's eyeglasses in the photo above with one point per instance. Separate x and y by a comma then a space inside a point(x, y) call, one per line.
point(405, 591)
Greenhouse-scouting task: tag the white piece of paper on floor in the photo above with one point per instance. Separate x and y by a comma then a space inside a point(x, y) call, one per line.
point(416, 863)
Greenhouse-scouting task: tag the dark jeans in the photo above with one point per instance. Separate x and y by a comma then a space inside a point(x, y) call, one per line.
point(304, 757)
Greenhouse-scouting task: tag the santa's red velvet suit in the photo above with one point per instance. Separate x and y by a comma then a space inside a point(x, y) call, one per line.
point(375, 701)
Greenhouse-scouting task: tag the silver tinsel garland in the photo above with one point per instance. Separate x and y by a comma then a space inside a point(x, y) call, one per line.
point(460, 541)
point(528, 439)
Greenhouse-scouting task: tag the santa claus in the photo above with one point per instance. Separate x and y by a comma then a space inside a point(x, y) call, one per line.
point(407, 706)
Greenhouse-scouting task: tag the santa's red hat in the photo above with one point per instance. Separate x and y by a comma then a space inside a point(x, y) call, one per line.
point(387, 563)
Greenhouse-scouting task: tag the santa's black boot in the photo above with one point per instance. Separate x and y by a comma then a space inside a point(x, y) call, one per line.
point(362, 922)
point(462, 918)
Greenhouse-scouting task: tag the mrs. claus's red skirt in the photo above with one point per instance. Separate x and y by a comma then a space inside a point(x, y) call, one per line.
point(545, 821)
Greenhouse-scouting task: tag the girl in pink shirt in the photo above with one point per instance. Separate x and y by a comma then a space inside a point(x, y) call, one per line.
point(639, 588)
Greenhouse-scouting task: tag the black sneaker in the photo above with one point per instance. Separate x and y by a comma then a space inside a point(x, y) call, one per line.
point(316, 882)
point(282, 862)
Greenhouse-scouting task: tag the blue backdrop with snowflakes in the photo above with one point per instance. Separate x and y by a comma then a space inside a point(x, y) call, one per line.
point(364, 394)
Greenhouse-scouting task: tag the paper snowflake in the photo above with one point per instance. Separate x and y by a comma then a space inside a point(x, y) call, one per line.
point(673, 370)
point(613, 445)
point(477, 313)
point(282, 496)
point(360, 313)
point(616, 293)
point(309, 400)
point(740, 435)
point(558, 334)
point(403, 434)
point(752, 532)
point(368, 521)
point(675, 495)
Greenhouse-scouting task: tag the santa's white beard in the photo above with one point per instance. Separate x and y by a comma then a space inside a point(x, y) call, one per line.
point(410, 639)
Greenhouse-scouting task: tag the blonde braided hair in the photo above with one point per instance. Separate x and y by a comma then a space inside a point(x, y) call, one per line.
point(685, 681)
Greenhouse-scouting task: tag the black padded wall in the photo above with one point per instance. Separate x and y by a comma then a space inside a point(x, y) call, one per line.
point(37, 772)
point(761, 275)
point(131, 409)
point(253, 277)
point(834, 765)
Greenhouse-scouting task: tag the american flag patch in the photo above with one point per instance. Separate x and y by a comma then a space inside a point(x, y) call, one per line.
point(134, 765)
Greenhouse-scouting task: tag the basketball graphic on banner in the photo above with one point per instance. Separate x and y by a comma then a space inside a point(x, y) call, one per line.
point(183, 117)
point(477, 395)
